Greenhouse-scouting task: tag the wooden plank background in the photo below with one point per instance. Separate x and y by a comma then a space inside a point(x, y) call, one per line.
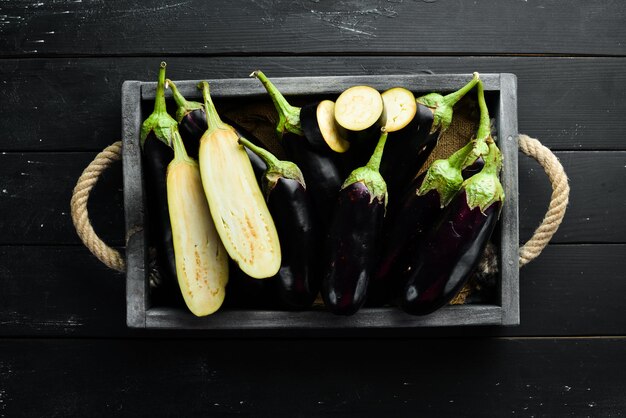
point(65, 349)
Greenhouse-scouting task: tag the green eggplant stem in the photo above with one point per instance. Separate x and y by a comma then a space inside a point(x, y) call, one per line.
point(452, 98)
point(377, 155)
point(180, 153)
point(180, 100)
point(493, 160)
point(269, 158)
point(484, 127)
point(159, 104)
point(213, 119)
point(288, 115)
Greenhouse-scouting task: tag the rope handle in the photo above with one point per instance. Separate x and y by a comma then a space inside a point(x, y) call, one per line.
point(80, 215)
point(527, 252)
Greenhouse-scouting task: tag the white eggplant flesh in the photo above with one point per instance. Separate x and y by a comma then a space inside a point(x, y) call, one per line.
point(239, 211)
point(201, 260)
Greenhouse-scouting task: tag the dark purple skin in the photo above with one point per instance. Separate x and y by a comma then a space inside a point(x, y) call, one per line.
point(435, 271)
point(321, 174)
point(191, 127)
point(402, 228)
point(350, 248)
point(406, 152)
point(156, 157)
point(311, 129)
point(296, 283)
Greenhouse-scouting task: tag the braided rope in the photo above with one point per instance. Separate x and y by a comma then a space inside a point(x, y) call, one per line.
point(558, 201)
point(529, 251)
point(80, 216)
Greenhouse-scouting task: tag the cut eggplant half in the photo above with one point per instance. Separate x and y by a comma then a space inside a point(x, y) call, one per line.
point(320, 128)
point(237, 205)
point(360, 114)
point(400, 108)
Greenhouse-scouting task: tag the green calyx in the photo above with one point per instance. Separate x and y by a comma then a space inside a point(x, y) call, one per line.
point(180, 154)
point(212, 117)
point(442, 106)
point(275, 168)
point(484, 188)
point(370, 174)
point(184, 106)
point(288, 115)
point(445, 175)
point(159, 121)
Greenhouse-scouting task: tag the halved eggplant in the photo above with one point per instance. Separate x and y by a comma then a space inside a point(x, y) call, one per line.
point(201, 260)
point(400, 107)
point(349, 250)
point(319, 127)
point(238, 208)
point(360, 114)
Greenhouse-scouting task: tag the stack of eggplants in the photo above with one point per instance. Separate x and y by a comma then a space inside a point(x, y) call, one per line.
point(443, 226)
point(334, 236)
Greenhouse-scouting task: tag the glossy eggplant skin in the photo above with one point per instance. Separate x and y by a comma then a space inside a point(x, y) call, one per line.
point(156, 157)
point(321, 174)
point(407, 150)
point(403, 228)
point(296, 284)
point(349, 249)
point(436, 270)
point(191, 127)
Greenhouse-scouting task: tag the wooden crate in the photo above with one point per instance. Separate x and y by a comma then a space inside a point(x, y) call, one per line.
point(142, 314)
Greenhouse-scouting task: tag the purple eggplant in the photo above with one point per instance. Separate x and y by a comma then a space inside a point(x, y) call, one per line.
point(432, 269)
point(320, 169)
point(156, 138)
point(419, 208)
point(350, 245)
point(409, 148)
point(192, 124)
point(451, 250)
point(296, 285)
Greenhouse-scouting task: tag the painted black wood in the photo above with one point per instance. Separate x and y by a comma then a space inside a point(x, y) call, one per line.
point(303, 27)
point(359, 377)
point(35, 198)
point(38, 192)
point(74, 104)
point(570, 290)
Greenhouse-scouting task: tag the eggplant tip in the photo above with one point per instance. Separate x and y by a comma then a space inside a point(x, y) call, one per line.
point(475, 74)
point(163, 64)
point(254, 74)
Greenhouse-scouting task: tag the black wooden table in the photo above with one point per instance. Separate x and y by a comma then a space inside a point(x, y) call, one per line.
point(65, 347)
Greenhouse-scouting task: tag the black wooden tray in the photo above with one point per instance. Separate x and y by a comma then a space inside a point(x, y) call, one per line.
point(142, 314)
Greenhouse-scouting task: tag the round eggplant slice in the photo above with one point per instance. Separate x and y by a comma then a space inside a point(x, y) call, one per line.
point(318, 123)
point(360, 114)
point(400, 108)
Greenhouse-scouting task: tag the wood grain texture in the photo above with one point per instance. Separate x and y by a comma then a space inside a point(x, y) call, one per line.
point(39, 185)
point(74, 104)
point(362, 377)
point(35, 199)
point(570, 290)
point(92, 27)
